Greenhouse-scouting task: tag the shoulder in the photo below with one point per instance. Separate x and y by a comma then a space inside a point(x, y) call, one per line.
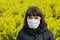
point(20, 35)
point(49, 34)
point(47, 31)
point(21, 32)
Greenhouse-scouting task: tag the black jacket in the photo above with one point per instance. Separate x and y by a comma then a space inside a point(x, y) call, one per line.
point(37, 34)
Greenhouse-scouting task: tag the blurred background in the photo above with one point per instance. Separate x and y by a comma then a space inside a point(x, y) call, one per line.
point(12, 14)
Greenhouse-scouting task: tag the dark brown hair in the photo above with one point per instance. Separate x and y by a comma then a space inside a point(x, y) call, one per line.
point(34, 11)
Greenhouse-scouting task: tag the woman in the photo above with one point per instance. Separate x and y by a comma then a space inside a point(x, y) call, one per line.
point(35, 27)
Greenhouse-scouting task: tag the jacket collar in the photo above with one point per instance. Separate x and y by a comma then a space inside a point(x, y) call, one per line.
point(35, 31)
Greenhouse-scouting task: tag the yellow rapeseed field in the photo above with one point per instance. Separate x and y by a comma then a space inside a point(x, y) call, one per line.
point(12, 14)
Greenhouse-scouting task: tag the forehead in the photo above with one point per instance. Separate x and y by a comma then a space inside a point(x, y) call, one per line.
point(33, 17)
point(33, 14)
point(37, 17)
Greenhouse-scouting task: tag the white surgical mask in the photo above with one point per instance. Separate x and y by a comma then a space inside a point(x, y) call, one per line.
point(33, 23)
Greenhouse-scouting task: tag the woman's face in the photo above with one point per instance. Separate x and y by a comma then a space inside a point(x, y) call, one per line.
point(33, 17)
point(33, 21)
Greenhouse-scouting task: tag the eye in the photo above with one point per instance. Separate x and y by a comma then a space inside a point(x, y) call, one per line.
point(37, 17)
point(29, 17)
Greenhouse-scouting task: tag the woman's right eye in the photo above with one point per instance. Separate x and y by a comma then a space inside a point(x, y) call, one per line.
point(29, 17)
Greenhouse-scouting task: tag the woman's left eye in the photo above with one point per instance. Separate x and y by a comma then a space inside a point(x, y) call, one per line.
point(36, 18)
